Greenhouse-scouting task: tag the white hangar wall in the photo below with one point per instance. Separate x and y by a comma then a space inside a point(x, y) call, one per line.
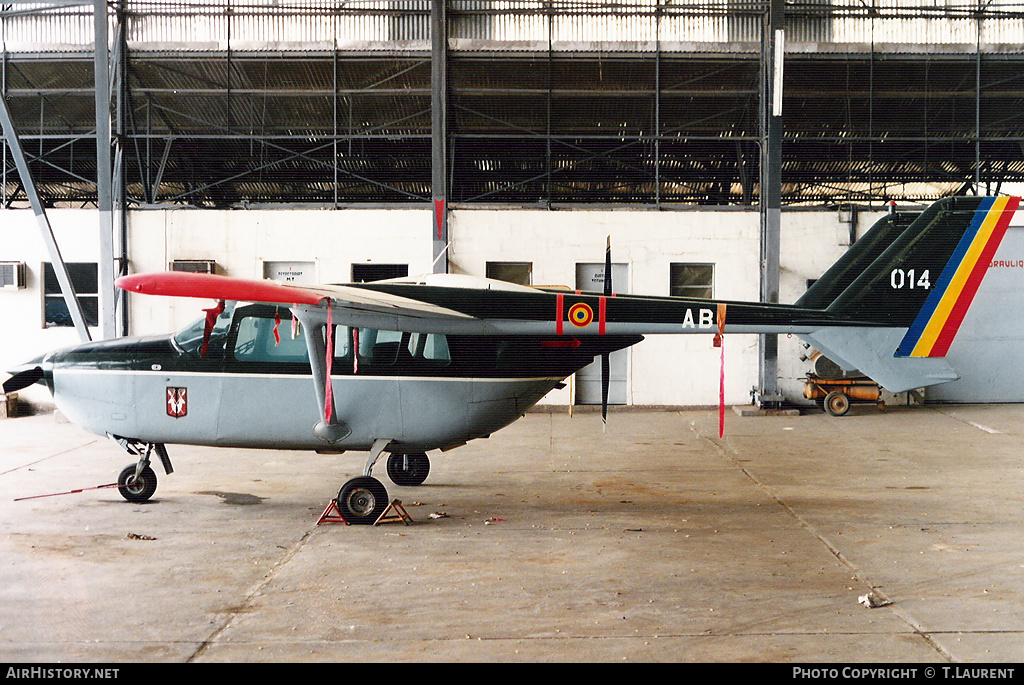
point(662, 370)
point(23, 334)
point(242, 241)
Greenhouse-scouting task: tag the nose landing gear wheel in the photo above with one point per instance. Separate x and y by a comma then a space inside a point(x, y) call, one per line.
point(136, 489)
point(362, 500)
point(408, 469)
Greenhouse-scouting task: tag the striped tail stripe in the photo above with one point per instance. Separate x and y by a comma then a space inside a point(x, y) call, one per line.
point(939, 320)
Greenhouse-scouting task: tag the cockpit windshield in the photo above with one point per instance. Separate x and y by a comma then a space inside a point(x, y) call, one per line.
point(190, 338)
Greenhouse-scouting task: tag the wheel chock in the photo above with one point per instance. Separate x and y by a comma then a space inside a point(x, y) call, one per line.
point(332, 514)
point(399, 514)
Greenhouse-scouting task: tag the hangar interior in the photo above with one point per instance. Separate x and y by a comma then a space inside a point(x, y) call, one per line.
point(331, 138)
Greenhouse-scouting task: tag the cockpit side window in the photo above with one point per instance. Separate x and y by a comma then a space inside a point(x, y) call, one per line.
point(258, 336)
point(256, 342)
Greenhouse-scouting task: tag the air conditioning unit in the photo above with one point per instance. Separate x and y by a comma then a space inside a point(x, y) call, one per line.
point(12, 275)
point(194, 266)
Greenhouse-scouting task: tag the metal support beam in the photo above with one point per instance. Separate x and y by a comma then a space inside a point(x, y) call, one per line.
point(59, 267)
point(104, 176)
point(119, 206)
point(657, 104)
point(439, 132)
point(977, 105)
point(773, 50)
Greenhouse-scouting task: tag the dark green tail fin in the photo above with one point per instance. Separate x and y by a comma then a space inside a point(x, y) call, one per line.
point(914, 295)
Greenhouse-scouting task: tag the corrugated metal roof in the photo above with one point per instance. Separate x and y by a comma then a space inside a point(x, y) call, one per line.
point(326, 119)
point(368, 24)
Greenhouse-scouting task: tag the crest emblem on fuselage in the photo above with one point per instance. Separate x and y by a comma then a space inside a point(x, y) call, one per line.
point(177, 402)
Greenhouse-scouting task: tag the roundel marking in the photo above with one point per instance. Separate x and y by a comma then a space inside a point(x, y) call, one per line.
point(581, 314)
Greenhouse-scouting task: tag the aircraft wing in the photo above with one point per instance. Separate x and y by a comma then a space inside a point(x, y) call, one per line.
point(350, 305)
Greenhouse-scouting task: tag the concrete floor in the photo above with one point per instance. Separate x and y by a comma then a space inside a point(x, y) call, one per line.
point(655, 541)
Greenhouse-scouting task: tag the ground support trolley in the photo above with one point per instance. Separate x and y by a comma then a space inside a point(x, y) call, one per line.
point(835, 395)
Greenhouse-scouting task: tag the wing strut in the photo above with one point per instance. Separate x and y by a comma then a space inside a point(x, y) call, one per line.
point(318, 329)
point(328, 363)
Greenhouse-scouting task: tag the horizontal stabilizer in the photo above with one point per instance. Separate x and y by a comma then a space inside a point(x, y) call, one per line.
point(870, 351)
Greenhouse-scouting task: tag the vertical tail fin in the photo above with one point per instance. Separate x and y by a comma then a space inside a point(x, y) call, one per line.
point(939, 319)
point(946, 245)
point(907, 305)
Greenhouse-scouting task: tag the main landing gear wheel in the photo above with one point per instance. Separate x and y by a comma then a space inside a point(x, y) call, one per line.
point(837, 403)
point(408, 469)
point(136, 489)
point(362, 500)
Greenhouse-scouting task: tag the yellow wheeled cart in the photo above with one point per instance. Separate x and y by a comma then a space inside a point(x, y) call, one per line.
point(835, 395)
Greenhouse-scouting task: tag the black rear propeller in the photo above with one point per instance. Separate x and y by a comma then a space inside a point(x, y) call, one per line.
point(605, 359)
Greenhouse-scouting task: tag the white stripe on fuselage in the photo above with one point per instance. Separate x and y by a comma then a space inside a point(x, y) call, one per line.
point(308, 377)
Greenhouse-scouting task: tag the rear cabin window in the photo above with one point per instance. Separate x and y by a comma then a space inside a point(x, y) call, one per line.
point(379, 348)
point(431, 347)
point(393, 348)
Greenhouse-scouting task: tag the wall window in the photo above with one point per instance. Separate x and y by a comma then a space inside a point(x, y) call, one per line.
point(364, 273)
point(85, 281)
point(512, 272)
point(692, 280)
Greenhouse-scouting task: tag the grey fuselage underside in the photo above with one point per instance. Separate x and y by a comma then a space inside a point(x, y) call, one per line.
point(280, 410)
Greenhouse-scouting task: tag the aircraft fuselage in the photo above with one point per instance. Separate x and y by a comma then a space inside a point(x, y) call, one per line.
point(252, 388)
